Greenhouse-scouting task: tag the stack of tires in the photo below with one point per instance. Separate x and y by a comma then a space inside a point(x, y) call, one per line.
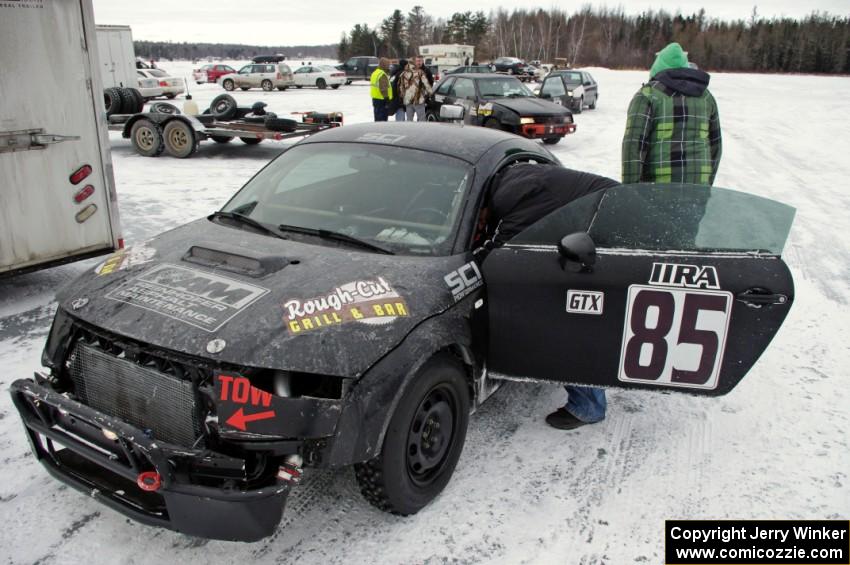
point(123, 101)
point(224, 108)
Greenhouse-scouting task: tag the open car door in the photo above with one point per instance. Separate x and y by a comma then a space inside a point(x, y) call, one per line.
point(674, 286)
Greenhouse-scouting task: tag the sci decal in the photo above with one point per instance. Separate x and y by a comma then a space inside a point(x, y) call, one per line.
point(464, 280)
point(203, 300)
point(371, 301)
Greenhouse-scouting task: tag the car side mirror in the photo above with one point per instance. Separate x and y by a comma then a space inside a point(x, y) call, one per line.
point(451, 112)
point(578, 251)
point(546, 96)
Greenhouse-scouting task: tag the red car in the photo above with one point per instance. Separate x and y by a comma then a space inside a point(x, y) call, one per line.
point(211, 73)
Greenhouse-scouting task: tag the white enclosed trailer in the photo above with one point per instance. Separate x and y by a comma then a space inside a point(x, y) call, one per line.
point(57, 191)
point(117, 56)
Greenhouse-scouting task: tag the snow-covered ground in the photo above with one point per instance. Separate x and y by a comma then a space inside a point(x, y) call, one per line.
point(776, 447)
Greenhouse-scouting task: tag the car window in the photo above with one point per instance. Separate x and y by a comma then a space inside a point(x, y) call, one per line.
point(502, 87)
point(670, 217)
point(157, 73)
point(141, 74)
point(444, 88)
point(572, 78)
point(245, 70)
point(229, 69)
point(463, 88)
point(553, 87)
point(405, 199)
point(301, 70)
point(284, 69)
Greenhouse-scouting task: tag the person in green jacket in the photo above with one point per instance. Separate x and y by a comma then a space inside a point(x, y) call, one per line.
point(673, 127)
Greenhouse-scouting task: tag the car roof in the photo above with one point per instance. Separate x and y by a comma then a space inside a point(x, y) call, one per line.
point(469, 143)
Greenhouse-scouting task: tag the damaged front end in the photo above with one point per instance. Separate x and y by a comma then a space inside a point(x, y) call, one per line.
point(171, 440)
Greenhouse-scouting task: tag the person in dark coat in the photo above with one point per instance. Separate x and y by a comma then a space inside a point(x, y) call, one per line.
point(519, 197)
point(396, 106)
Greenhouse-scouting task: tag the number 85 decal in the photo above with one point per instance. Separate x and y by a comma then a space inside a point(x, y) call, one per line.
point(674, 337)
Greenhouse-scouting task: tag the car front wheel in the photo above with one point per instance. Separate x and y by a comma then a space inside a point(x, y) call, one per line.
point(266, 85)
point(228, 85)
point(423, 441)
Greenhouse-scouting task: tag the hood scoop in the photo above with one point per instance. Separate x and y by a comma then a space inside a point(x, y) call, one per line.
point(236, 261)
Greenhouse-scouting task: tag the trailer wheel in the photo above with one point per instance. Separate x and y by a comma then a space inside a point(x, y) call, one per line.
point(112, 100)
point(422, 443)
point(280, 124)
point(320, 83)
point(267, 85)
point(228, 85)
point(164, 108)
point(221, 138)
point(223, 107)
point(179, 139)
point(138, 101)
point(146, 137)
point(250, 140)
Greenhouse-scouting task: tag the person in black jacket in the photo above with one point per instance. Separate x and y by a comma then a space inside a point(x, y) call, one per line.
point(519, 197)
point(396, 106)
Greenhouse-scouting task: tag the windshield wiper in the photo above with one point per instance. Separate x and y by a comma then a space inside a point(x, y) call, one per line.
point(327, 234)
point(243, 219)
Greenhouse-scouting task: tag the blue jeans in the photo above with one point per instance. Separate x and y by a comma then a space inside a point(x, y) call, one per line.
point(585, 403)
point(400, 114)
point(379, 107)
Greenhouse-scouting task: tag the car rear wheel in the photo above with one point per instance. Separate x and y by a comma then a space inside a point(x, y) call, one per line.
point(221, 138)
point(423, 441)
point(298, 86)
point(266, 85)
point(250, 140)
point(579, 106)
point(320, 83)
point(334, 86)
point(551, 140)
point(179, 139)
point(593, 105)
point(228, 85)
point(281, 88)
point(146, 137)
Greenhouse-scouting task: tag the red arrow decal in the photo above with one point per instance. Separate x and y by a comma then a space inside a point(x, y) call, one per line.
point(239, 419)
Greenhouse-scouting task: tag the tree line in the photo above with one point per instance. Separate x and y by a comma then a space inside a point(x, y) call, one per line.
point(604, 37)
point(158, 50)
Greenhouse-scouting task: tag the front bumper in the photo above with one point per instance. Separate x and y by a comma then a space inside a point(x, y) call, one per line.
point(104, 457)
point(536, 131)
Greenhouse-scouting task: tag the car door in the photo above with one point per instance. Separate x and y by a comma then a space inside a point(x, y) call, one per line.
point(589, 88)
point(553, 89)
point(441, 95)
point(462, 93)
point(242, 78)
point(677, 287)
point(300, 76)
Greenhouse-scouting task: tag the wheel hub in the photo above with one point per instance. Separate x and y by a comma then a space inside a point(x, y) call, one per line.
point(430, 436)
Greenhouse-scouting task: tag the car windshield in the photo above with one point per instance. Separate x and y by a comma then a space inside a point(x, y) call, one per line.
point(403, 199)
point(572, 78)
point(507, 87)
point(327, 68)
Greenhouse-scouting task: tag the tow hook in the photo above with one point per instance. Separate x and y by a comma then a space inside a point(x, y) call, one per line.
point(290, 471)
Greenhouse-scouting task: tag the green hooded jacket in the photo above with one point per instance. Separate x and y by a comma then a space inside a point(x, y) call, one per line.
point(673, 126)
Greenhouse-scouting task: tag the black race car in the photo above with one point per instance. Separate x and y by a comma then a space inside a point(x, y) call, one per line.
point(501, 102)
point(334, 313)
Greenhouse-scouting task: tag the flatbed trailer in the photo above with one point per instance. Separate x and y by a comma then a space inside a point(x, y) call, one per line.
point(179, 135)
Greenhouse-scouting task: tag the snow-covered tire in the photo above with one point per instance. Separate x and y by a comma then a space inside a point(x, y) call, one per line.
point(146, 137)
point(280, 124)
point(179, 139)
point(138, 101)
point(423, 441)
point(223, 107)
point(112, 100)
point(164, 108)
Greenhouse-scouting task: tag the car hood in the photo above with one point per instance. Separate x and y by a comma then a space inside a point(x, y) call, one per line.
point(531, 106)
point(239, 297)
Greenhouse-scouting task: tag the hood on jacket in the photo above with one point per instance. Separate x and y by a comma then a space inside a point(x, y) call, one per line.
point(690, 82)
point(671, 57)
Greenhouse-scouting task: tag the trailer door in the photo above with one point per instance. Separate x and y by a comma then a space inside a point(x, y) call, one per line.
point(57, 196)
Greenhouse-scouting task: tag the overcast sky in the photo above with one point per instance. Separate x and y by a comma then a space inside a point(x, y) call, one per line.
point(275, 22)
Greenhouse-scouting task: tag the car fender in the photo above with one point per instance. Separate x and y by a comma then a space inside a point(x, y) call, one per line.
point(372, 400)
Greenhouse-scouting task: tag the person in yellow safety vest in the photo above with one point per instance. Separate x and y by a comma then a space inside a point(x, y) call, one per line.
point(381, 90)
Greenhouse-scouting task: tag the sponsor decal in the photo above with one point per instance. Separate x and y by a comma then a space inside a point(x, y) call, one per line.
point(485, 109)
point(585, 302)
point(464, 280)
point(204, 300)
point(365, 301)
point(130, 257)
point(381, 137)
point(674, 337)
point(235, 394)
point(688, 276)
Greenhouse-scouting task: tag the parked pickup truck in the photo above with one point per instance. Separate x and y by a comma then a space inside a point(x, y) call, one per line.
point(358, 68)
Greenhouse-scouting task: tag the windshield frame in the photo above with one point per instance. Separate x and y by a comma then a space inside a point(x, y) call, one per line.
point(443, 249)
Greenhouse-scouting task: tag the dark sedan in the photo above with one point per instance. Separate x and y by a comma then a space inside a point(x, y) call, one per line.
point(571, 88)
point(334, 312)
point(502, 102)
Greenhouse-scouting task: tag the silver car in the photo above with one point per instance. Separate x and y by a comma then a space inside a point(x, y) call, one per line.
point(267, 76)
